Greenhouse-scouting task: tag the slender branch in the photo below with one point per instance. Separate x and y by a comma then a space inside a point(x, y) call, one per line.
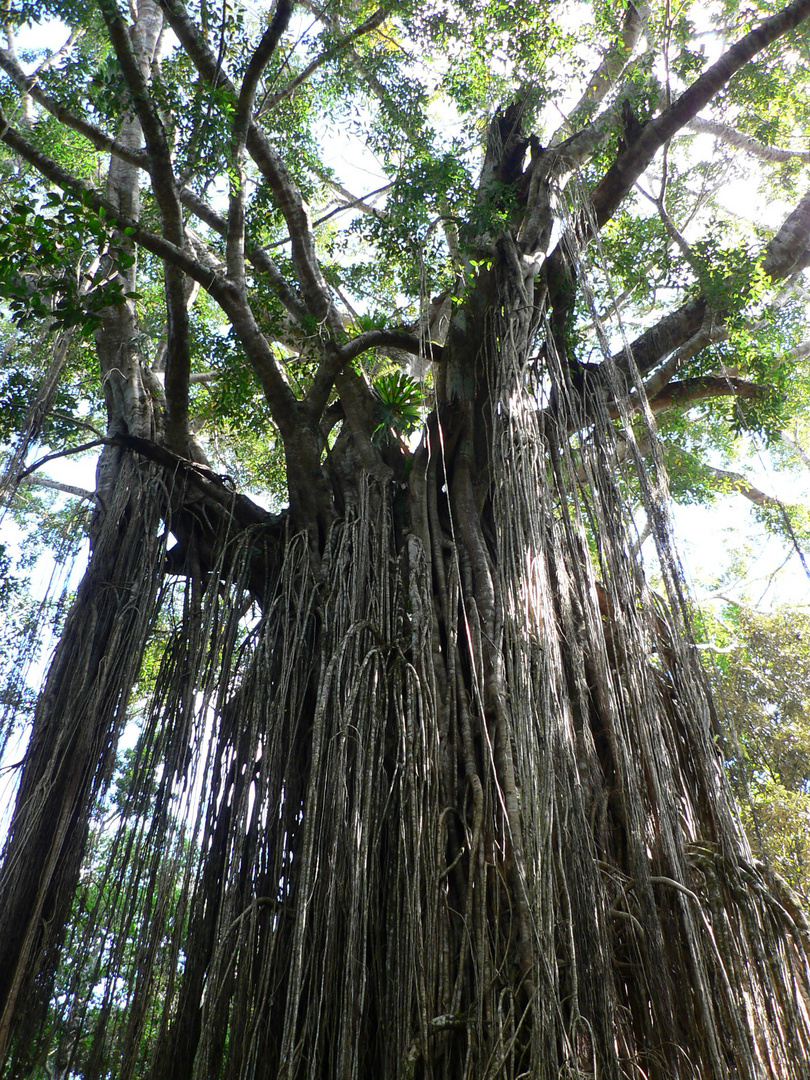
point(64, 179)
point(460, 259)
point(29, 80)
point(683, 333)
point(314, 289)
point(733, 481)
point(55, 485)
point(747, 143)
point(27, 84)
point(57, 54)
point(796, 448)
point(139, 158)
point(257, 64)
point(371, 23)
point(60, 454)
point(257, 256)
point(670, 227)
point(352, 204)
point(631, 162)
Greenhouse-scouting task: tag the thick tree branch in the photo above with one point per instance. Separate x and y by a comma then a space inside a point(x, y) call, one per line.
point(668, 334)
point(686, 392)
point(178, 350)
point(242, 509)
point(632, 161)
point(157, 143)
point(393, 339)
point(789, 251)
point(690, 348)
point(335, 362)
point(798, 352)
point(235, 242)
point(582, 145)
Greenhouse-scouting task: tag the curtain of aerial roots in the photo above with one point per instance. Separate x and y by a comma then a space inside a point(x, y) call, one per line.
point(367, 833)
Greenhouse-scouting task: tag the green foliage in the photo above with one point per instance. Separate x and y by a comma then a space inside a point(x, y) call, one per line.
point(417, 96)
point(762, 680)
point(729, 276)
point(54, 231)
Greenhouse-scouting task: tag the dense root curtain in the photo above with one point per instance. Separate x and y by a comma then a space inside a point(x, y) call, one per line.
point(447, 803)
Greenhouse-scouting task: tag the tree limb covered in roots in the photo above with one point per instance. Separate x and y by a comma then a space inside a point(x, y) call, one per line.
point(365, 749)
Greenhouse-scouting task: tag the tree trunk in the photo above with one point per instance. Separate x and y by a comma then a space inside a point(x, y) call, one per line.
point(80, 715)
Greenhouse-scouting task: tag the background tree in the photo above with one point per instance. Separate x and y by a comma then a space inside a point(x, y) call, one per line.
point(759, 665)
point(425, 779)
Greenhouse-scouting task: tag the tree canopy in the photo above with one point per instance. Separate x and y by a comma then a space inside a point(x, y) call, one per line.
point(366, 748)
